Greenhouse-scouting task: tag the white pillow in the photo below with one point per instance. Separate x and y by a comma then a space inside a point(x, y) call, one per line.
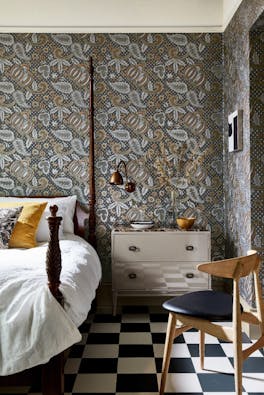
point(66, 209)
point(43, 232)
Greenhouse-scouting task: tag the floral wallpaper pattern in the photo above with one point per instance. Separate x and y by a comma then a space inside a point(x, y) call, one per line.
point(158, 106)
point(243, 172)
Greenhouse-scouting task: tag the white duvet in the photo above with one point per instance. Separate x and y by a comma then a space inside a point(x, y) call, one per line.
point(33, 325)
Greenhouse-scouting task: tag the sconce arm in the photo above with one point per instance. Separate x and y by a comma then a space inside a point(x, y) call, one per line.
point(124, 164)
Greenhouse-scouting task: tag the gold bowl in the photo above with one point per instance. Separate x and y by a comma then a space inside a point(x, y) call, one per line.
point(185, 222)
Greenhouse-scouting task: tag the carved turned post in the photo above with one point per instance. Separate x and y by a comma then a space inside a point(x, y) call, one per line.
point(92, 219)
point(52, 372)
point(53, 257)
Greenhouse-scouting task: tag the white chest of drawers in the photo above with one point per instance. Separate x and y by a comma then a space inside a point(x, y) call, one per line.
point(158, 262)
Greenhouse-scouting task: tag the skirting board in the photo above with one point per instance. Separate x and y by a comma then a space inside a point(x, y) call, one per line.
point(104, 299)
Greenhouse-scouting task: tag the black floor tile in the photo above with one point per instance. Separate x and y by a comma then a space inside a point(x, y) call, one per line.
point(136, 383)
point(135, 327)
point(252, 365)
point(211, 350)
point(160, 317)
point(135, 309)
point(69, 380)
point(76, 351)
point(98, 365)
point(217, 382)
point(177, 365)
point(159, 338)
point(129, 350)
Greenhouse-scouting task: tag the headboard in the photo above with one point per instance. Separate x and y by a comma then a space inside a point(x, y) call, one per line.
point(80, 219)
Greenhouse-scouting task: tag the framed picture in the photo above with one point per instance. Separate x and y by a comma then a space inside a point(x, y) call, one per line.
point(235, 131)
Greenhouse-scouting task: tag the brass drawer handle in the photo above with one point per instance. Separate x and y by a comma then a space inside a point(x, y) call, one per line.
point(189, 248)
point(133, 248)
point(132, 276)
point(189, 275)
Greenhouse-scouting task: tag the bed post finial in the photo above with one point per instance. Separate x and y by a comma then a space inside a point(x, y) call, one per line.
point(92, 220)
point(53, 257)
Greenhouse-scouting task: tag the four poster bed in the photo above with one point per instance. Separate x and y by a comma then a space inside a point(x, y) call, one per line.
point(52, 303)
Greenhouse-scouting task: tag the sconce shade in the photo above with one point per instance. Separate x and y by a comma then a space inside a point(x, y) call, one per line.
point(116, 179)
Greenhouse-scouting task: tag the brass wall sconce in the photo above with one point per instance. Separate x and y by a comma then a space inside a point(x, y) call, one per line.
point(117, 179)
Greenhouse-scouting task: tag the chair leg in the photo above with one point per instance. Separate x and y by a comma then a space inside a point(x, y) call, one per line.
point(201, 350)
point(167, 350)
point(238, 362)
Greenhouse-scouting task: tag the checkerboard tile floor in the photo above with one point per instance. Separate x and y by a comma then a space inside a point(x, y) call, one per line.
point(123, 355)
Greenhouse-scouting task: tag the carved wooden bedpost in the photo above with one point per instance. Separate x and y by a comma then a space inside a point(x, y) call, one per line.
point(92, 221)
point(52, 372)
point(53, 257)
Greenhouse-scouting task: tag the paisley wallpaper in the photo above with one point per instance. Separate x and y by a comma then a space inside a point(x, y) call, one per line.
point(243, 171)
point(158, 107)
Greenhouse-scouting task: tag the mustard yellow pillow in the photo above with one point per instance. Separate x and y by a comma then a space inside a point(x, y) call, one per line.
point(24, 233)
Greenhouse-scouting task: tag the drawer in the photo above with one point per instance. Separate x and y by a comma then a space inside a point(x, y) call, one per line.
point(160, 246)
point(164, 276)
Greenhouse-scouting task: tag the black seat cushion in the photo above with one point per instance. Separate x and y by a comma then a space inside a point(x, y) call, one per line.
point(210, 305)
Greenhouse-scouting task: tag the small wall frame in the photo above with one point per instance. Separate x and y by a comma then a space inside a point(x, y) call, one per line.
point(235, 131)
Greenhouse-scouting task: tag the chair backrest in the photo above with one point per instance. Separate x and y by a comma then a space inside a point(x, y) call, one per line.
point(232, 268)
point(235, 268)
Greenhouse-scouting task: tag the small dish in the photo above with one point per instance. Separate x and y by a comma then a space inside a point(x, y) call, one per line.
point(142, 224)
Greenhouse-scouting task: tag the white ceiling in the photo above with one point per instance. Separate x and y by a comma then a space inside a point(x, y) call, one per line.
point(116, 15)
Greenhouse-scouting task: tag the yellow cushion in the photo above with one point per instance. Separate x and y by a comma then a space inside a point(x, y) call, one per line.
point(24, 233)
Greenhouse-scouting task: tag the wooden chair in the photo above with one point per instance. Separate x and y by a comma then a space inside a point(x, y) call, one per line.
point(201, 309)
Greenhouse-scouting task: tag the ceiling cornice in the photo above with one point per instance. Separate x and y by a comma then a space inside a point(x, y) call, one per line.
point(115, 16)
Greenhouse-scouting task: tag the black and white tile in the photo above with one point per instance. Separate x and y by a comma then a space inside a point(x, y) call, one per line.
point(123, 355)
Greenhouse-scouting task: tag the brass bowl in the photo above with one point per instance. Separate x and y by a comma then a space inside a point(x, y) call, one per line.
point(185, 222)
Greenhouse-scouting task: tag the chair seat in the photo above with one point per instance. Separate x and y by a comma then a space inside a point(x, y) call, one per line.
point(209, 305)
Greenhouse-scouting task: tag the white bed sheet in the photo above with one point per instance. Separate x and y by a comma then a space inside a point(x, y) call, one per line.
point(33, 325)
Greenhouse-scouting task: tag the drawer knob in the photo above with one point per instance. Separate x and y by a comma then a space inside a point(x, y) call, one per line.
point(189, 248)
point(189, 275)
point(132, 276)
point(133, 248)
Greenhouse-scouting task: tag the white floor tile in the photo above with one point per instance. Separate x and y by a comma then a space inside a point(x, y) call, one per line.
point(135, 338)
point(101, 351)
point(179, 350)
point(94, 383)
point(194, 338)
point(182, 382)
point(158, 327)
point(213, 365)
point(229, 350)
point(136, 365)
point(253, 382)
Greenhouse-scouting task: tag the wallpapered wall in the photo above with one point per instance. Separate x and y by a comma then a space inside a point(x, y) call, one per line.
point(243, 175)
point(158, 106)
